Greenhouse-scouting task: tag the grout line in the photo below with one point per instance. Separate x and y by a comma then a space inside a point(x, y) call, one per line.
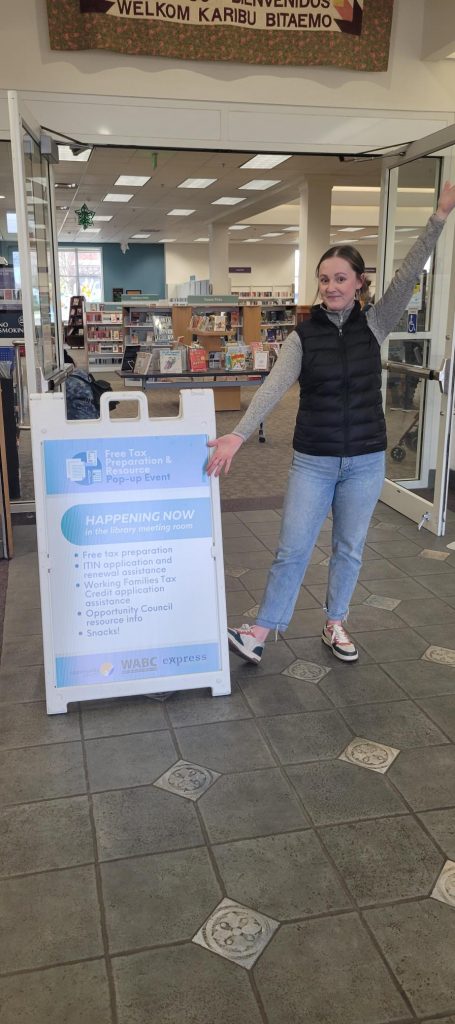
point(99, 884)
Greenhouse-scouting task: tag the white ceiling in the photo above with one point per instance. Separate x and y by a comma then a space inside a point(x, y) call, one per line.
point(272, 210)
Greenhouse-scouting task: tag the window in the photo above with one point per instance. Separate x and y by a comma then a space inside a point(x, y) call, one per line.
point(81, 273)
point(296, 274)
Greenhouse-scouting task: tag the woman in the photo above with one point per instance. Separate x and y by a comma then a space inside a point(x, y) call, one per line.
point(339, 438)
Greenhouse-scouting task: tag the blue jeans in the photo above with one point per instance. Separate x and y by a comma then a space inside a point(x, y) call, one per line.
point(351, 487)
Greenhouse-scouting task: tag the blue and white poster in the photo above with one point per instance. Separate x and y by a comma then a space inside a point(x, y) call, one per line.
point(129, 527)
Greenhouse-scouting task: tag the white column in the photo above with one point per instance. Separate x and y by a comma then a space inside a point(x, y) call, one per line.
point(314, 233)
point(219, 259)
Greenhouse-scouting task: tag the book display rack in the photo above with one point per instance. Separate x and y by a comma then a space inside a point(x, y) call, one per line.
point(104, 335)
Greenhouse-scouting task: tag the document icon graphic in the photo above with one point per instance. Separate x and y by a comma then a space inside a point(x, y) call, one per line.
point(75, 470)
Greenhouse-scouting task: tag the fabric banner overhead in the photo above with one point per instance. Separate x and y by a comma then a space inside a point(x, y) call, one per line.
point(342, 33)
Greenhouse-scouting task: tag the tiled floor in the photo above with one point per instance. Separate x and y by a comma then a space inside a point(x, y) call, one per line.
point(279, 856)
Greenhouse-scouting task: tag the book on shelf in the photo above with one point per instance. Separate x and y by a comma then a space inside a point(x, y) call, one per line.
point(261, 360)
point(171, 362)
point(142, 362)
point(197, 358)
point(129, 358)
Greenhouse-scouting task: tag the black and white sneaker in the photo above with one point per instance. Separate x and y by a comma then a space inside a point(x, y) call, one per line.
point(336, 637)
point(246, 644)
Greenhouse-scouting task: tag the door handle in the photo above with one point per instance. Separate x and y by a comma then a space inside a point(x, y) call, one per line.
point(442, 376)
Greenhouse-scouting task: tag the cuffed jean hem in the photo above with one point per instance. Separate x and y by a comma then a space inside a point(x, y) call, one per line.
point(333, 616)
point(279, 627)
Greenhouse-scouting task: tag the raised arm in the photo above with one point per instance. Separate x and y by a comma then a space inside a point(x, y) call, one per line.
point(284, 373)
point(385, 314)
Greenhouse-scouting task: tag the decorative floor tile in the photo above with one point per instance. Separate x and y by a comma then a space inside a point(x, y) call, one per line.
point(444, 889)
point(252, 612)
point(441, 655)
point(388, 603)
point(306, 670)
point(187, 780)
point(439, 555)
point(368, 754)
point(237, 933)
point(235, 572)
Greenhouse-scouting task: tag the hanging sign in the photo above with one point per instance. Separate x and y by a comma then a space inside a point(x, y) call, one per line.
point(11, 323)
point(127, 522)
point(342, 33)
point(415, 302)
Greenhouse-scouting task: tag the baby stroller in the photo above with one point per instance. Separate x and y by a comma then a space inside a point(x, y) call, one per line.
point(409, 440)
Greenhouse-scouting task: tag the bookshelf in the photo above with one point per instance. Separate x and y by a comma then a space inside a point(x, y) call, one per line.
point(104, 322)
point(149, 327)
point(267, 323)
point(75, 329)
point(257, 295)
point(212, 325)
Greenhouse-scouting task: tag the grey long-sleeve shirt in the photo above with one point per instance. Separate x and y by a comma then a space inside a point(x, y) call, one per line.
point(381, 318)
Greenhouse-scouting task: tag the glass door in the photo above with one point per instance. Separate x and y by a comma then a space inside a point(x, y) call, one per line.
point(42, 351)
point(418, 393)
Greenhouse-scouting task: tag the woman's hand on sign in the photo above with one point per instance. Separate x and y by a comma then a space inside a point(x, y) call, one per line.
point(446, 201)
point(225, 449)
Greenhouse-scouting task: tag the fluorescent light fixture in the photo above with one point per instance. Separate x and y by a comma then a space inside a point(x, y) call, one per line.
point(132, 180)
point(98, 216)
point(295, 227)
point(65, 153)
point(141, 234)
point(167, 239)
point(260, 184)
point(93, 231)
point(11, 223)
point(350, 230)
point(356, 188)
point(368, 236)
point(180, 213)
point(228, 201)
point(426, 191)
point(2, 197)
point(272, 234)
point(197, 182)
point(238, 227)
point(202, 239)
point(117, 197)
point(264, 161)
point(404, 229)
point(251, 239)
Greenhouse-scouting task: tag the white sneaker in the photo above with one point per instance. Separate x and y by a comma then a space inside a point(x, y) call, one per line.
point(336, 637)
point(245, 643)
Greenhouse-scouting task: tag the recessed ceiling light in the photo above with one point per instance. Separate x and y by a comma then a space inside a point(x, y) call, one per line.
point(265, 161)
point(251, 239)
point(64, 208)
point(180, 213)
point(260, 184)
point(238, 227)
point(93, 231)
point(2, 197)
point(228, 201)
point(202, 239)
point(368, 236)
point(356, 188)
point(295, 227)
point(134, 180)
point(197, 182)
point(272, 234)
point(350, 230)
point(427, 191)
point(65, 153)
point(117, 197)
point(141, 234)
point(11, 223)
point(98, 216)
point(167, 239)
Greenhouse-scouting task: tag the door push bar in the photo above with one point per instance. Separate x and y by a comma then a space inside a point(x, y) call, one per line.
point(442, 375)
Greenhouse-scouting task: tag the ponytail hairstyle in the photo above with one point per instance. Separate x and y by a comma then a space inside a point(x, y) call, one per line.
point(355, 260)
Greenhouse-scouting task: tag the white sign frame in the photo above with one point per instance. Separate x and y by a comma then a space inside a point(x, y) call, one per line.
point(49, 423)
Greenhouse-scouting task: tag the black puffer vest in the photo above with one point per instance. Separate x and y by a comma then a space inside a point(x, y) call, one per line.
point(340, 411)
